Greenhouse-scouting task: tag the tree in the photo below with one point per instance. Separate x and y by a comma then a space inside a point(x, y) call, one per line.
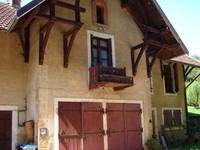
point(193, 91)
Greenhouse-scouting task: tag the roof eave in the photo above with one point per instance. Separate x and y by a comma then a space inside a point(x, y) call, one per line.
point(173, 31)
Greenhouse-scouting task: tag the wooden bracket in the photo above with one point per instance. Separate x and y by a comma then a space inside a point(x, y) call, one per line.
point(44, 35)
point(136, 61)
point(188, 71)
point(68, 40)
point(192, 80)
point(30, 18)
point(150, 60)
point(24, 34)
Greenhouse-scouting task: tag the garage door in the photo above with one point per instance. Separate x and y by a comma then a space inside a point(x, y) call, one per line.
point(124, 127)
point(89, 126)
point(5, 130)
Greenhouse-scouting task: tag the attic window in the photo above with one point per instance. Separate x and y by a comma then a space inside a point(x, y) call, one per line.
point(99, 12)
point(99, 15)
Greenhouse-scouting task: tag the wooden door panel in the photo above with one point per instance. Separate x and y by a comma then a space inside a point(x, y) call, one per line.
point(92, 118)
point(93, 126)
point(124, 127)
point(134, 141)
point(115, 121)
point(93, 142)
point(133, 120)
point(70, 144)
point(116, 141)
point(5, 130)
point(69, 126)
point(81, 121)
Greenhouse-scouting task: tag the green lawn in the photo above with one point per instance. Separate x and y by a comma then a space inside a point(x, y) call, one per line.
point(192, 147)
point(193, 111)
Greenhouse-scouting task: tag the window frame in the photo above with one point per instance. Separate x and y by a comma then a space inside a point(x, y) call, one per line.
point(103, 36)
point(102, 4)
point(99, 49)
point(175, 78)
point(172, 109)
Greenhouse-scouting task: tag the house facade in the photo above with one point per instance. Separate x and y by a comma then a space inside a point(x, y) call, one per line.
point(168, 98)
point(168, 92)
point(80, 71)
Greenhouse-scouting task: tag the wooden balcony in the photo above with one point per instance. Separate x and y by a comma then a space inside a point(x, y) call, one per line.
point(109, 77)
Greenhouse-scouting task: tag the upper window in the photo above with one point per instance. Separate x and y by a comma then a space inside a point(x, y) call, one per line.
point(101, 52)
point(99, 12)
point(170, 75)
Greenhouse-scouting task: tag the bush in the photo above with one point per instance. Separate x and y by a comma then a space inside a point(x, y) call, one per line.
point(153, 144)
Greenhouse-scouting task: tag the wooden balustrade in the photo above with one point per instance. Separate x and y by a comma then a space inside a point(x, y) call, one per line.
point(109, 77)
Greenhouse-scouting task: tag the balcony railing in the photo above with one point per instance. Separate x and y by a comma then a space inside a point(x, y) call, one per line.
point(109, 77)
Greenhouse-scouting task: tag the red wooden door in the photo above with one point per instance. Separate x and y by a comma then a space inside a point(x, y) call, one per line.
point(124, 127)
point(69, 126)
point(80, 121)
point(93, 126)
point(5, 130)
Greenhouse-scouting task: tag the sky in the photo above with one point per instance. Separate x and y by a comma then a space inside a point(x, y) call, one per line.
point(184, 15)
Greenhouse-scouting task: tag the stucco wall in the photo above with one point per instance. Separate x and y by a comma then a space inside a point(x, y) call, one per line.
point(72, 82)
point(12, 76)
point(41, 85)
point(160, 99)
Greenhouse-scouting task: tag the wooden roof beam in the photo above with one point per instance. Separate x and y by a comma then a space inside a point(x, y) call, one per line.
point(162, 45)
point(69, 6)
point(58, 19)
point(161, 32)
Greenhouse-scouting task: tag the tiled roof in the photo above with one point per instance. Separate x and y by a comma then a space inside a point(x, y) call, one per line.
point(185, 59)
point(7, 14)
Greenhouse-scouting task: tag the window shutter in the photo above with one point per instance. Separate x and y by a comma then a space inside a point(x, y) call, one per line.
point(176, 77)
point(167, 118)
point(110, 52)
point(169, 88)
point(177, 118)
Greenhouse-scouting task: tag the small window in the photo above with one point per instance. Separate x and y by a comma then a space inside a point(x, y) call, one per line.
point(99, 15)
point(170, 74)
point(172, 118)
point(101, 52)
point(99, 12)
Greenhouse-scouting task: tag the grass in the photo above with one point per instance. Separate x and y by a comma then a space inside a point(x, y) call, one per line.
point(193, 111)
point(192, 147)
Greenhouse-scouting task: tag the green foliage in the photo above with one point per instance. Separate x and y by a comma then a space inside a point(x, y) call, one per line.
point(153, 144)
point(193, 91)
point(193, 94)
point(193, 111)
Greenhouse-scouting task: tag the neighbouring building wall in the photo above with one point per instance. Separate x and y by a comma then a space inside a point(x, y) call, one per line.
point(162, 100)
point(13, 77)
point(55, 81)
